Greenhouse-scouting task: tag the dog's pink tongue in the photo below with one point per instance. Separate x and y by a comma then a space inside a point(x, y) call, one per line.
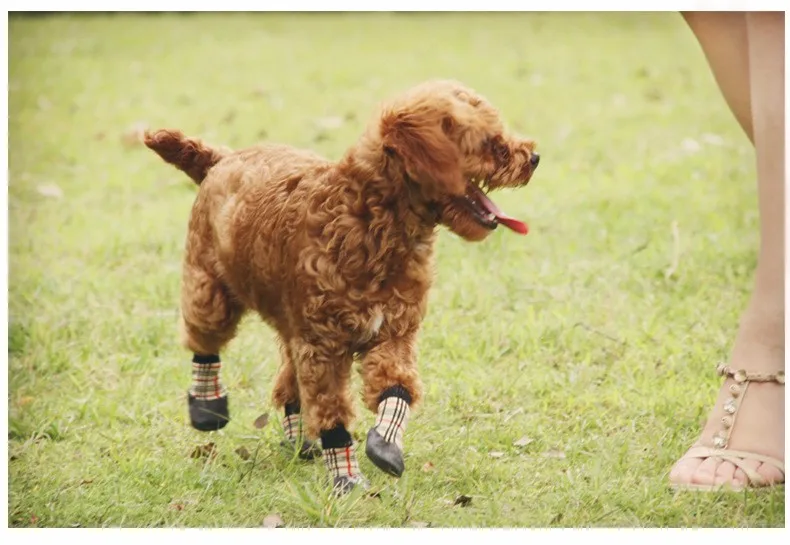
point(502, 218)
point(512, 223)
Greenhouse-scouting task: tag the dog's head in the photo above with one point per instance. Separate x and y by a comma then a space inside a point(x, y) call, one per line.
point(450, 146)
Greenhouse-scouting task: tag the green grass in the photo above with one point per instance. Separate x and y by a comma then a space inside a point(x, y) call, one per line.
point(574, 336)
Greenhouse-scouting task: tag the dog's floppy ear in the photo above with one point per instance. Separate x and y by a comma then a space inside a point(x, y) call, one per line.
point(430, 157)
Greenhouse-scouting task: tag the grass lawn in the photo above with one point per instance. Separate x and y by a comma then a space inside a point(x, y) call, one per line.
point(565, 371)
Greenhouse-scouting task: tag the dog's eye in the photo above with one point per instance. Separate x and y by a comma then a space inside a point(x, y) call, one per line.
point(503, 153)
point(496, 146)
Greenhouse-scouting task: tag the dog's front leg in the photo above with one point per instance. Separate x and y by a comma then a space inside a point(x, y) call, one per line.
point(323, 375)
point(391, 387)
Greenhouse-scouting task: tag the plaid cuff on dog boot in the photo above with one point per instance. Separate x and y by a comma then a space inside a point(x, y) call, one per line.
point(340, 459)
point(384, 445)
point(294, 438)
point(207, 398)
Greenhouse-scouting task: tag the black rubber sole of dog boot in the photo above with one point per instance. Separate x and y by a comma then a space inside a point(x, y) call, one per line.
point(208, 414)
point(385, 456)
point(308, 451)
point(344, 485)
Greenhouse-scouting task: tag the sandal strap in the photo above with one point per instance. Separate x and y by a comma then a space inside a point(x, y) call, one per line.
point(742, 379)
point(740, 375)
point(737, 458)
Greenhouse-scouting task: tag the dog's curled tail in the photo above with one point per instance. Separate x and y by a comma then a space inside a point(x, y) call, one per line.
point(191, 155)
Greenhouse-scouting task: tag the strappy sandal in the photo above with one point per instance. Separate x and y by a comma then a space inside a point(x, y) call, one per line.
point(722, 438)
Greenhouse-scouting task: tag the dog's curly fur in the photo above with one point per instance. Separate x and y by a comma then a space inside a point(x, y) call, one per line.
point(337, 256)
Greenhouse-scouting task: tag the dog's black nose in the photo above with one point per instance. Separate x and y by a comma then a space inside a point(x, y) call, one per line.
point(534, 160)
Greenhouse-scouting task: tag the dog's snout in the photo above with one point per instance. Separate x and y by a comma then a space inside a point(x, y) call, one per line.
point(534, 160)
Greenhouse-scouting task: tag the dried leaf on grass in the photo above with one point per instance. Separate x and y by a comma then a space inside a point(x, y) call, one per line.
point(261, 421)
point(208, 450)
point(428, 467)
point(243, 453)
point(463, 500)
point(273, 521)
point(50, 190)
point(523, 442)
point(514, 412)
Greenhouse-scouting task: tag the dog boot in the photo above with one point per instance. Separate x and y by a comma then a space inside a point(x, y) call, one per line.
point(207, 398)
point(384, 445)
point(294, 437)
point(340, 459)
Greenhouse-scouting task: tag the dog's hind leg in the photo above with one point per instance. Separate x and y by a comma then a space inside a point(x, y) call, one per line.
point(286, 397)
point(209, 317)
point(391, 387)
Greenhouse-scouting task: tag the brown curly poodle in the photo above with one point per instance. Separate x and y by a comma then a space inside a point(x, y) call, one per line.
point(337, 256)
